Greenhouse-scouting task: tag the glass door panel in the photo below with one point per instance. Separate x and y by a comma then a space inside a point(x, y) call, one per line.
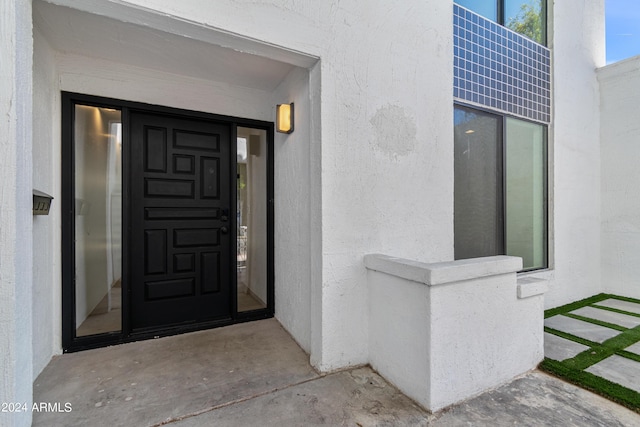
point(252, 219)
point(98, 219)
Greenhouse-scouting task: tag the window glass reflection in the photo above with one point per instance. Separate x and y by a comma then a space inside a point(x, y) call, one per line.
point(486, 8)
point(478, 213)
point(526, 18)
point(526, 224)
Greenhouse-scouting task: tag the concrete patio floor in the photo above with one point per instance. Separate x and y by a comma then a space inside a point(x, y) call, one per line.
point(255, 374)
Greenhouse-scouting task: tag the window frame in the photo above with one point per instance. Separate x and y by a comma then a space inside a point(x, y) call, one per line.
point(502, 117)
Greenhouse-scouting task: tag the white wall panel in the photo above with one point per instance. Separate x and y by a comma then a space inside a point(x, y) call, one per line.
point(620, 148)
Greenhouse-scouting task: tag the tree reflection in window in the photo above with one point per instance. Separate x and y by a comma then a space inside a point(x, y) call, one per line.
point(527, 17)
point(527, 20)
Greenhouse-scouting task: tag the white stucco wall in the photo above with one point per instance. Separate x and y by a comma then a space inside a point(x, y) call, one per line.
point(384, 113)
point(620, 148)
point(386, 78)
point(387, 154)
point(16, 87)
point(46, 229)
point(574, 150)
point(292, 219)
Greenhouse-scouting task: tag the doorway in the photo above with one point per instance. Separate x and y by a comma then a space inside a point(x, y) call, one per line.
point(165, 229)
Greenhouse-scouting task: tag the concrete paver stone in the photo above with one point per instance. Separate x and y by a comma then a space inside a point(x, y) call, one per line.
point(619, 370)
point(558, 348)
point(621, 305)
point(635, 348)
point(608, 316)
point(581, 329)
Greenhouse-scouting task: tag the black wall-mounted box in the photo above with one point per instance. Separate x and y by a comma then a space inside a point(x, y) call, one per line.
point(41, 203)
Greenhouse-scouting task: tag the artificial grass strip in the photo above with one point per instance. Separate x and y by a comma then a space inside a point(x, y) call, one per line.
point(576, 305)
point(624, 340)
point(594, 383)
point(589, 357)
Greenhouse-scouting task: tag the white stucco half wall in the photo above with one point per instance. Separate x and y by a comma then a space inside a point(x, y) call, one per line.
point(443, 332)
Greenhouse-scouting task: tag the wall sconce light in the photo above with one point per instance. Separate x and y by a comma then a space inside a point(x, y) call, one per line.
point(284, 118)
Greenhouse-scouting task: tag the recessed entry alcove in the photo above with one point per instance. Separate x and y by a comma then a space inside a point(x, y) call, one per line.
point(172, 181)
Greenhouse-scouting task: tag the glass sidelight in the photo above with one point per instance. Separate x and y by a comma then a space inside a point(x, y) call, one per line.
point(252, 243)
point(98, 219)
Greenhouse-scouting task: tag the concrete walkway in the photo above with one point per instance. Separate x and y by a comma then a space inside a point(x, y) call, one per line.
point(254, 374)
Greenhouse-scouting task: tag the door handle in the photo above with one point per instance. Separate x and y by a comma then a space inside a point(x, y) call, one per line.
point(224, 230)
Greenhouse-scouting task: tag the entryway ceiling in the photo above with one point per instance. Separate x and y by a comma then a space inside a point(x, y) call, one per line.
point(72, 31)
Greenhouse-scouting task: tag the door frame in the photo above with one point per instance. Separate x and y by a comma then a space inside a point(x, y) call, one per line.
point(70, 342)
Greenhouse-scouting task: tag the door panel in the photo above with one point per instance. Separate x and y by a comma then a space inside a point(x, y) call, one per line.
point(180, 203)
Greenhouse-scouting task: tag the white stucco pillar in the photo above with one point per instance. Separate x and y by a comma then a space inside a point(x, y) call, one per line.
point(577, 47)
point(16, 49)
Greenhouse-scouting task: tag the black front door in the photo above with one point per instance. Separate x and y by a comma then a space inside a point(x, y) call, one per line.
point(180, 240)
point(167, 221)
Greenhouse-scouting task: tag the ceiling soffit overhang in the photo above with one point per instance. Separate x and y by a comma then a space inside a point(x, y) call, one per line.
point(149, 39)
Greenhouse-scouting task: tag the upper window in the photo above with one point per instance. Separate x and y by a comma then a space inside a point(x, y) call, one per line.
point(527, 17)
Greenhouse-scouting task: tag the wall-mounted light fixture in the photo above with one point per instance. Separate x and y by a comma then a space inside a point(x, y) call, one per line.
point(284, 118)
